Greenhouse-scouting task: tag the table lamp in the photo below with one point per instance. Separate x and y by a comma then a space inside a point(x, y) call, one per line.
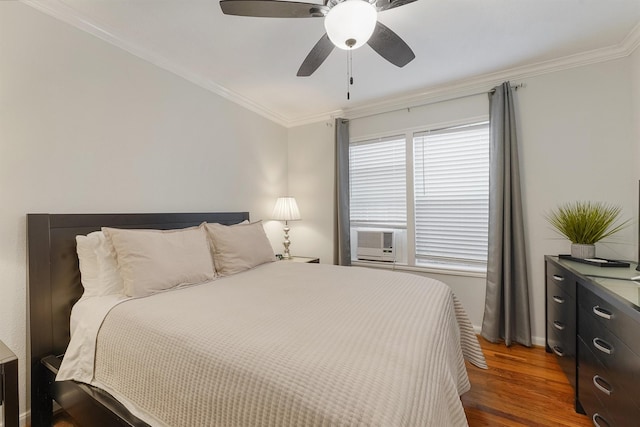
point(286, 209)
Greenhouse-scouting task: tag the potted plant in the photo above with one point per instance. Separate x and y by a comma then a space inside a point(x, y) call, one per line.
point(585, 223)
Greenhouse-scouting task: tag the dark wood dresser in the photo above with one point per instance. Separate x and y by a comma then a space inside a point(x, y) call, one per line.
point(593, 327)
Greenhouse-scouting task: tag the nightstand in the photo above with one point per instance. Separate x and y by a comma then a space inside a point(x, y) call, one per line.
point(305, 259)
point(9, 387)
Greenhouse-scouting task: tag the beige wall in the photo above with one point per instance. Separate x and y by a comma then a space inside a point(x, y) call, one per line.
point(635, 120)
point(578, 141)
point(635, 90)
point(311, 182)
point(86, 127)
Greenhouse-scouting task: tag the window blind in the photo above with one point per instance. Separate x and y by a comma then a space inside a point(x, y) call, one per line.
point(451, 190)
point(378, 188)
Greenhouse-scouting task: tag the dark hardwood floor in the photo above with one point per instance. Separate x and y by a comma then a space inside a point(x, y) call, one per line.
point(522, 387)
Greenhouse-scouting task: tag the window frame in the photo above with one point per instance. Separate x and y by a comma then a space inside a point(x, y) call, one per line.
point(370, 141)
point(411, 264)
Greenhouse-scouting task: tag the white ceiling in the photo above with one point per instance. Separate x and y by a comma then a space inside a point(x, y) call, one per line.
point(253, 61)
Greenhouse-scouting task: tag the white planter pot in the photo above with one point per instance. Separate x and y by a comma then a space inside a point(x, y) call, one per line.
point(583, 251)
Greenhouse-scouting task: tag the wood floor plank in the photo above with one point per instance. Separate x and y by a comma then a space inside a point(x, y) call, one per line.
point(522, 387)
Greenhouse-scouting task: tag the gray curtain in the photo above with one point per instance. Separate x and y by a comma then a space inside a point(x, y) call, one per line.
point(342, 234)
point(506, 313)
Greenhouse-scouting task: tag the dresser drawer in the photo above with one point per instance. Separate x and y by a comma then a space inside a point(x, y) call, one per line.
point(594, 409)
point(561, 277)
point(605, 313)
point(561, 309)
point(561, 345)
point(594, 380)
point(561, 335)
point(622, 365)
point(564, 349)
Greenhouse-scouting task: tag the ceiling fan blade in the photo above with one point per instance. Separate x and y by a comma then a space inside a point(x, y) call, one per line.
point(390, 46)
point(272, 9)
point(316, 57)
point(391, 4)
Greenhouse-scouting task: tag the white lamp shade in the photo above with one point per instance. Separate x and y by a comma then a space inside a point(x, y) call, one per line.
point(286, 209)
point(350, 24)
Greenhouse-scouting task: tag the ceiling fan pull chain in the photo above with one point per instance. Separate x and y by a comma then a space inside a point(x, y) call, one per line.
point(348, 75)
point(350, 66)
point(349, 72)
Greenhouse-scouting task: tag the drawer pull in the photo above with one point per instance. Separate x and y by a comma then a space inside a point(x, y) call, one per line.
point(602, 312)
point(558, 325)
point(605, 387)
point(559, 300)
point(558, 351)
point(558, 278)
point(602, 345)
point(597, 417)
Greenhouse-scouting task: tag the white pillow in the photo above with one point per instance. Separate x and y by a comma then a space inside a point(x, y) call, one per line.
point(98, 268)
point(239, 247)
point(152, 261)
point(85, 247)
point(110, 280)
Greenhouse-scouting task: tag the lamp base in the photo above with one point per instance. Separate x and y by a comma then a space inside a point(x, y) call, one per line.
point(286, 243)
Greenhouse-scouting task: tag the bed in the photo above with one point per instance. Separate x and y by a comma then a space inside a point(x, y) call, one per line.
point(293, 344)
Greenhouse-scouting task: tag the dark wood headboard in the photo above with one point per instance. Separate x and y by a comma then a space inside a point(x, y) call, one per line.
point(53, 274)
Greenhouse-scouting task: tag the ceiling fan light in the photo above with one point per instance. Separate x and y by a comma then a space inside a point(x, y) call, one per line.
point(350, 24)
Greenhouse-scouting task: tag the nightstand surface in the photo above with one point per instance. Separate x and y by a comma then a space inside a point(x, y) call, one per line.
point(9, 384)
point(311, 260)
point(6, 355)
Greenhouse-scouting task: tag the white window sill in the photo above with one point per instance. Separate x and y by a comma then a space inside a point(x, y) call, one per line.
point(421, 269)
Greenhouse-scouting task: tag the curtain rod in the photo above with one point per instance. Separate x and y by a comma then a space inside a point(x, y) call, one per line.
point(514, 87)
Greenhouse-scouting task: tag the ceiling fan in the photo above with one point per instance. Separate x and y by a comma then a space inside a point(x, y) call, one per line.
point(349, 25)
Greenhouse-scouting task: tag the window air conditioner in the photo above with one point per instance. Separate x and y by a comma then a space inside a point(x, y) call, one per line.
point(376, 246)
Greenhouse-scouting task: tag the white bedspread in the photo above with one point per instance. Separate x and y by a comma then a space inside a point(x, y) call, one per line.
point(289, 344)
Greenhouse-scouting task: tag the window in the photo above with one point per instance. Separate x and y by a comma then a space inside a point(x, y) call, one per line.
point(377, 176)
point(451, 191)
point(445, 223)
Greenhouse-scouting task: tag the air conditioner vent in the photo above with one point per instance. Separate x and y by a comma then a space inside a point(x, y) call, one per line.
point(376, 246)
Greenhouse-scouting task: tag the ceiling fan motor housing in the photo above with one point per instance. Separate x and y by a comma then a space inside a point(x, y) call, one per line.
point(350, 24)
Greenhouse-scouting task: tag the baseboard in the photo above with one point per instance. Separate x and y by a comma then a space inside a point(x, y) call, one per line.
point(536, 341)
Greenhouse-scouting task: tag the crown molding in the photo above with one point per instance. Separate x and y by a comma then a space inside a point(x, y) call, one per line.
point(480, 84)
point(461, 88)
point(316, 118)
point(63, 12)
point(632, 41)
point(483, 83)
